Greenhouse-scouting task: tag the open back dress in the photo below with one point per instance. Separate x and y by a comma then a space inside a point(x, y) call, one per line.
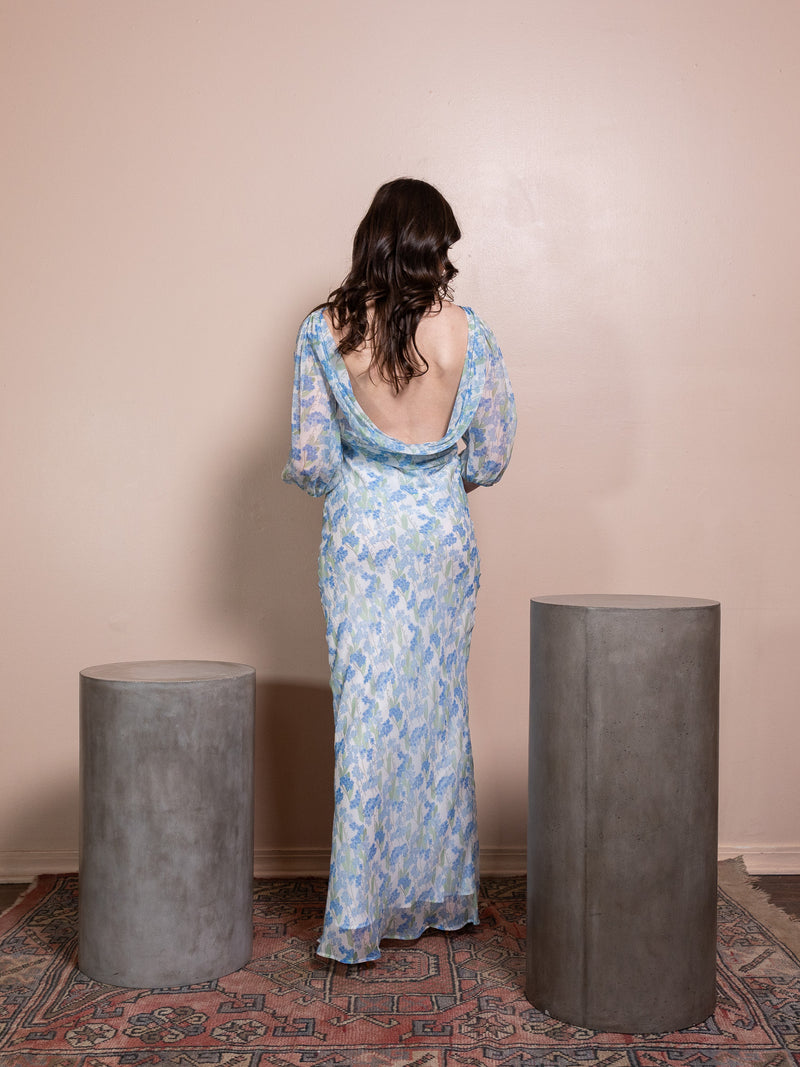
point(398, 576)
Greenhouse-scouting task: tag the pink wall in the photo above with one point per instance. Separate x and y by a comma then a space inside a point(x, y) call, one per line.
point(180, 185)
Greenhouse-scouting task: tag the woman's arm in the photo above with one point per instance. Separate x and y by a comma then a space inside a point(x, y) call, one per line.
point(316, 456)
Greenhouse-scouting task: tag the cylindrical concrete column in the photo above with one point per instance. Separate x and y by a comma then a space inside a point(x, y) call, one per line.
point(166, 856)
point(622, 828)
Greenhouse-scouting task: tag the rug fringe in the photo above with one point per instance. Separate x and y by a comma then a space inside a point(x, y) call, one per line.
point(737, 883)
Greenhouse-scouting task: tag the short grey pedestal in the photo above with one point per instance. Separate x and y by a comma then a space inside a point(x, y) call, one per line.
point(166, 856)
point(622, 829)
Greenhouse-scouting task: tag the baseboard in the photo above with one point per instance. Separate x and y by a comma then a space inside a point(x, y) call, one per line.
point(497, 862)
point(25, 866)
point(780, 859)
point(291, 862)
point(313, 862)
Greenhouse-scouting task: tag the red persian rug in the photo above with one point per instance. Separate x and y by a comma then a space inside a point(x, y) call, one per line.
point(446, 1000)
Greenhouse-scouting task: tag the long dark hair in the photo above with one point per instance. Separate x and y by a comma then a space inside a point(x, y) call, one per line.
point(400, 270)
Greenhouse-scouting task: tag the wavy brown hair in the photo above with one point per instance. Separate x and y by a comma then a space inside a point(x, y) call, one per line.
point(400, 270)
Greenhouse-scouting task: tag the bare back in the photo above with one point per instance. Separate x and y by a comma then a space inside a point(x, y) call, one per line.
point(421, 411)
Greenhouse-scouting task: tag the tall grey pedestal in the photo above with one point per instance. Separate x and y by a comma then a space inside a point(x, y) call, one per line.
point(166, 857)
point(622, 829)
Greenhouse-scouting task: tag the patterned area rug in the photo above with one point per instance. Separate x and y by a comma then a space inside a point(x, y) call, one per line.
point(446, 1000)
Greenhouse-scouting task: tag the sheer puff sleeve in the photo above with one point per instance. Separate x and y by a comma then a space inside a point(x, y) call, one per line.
point(316, 457)
point(490, 436)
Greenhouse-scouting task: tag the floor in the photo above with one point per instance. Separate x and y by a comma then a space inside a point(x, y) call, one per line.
point(9, 891)
point(782, 889)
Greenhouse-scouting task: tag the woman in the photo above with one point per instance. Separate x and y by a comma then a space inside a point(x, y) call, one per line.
point(391, 379)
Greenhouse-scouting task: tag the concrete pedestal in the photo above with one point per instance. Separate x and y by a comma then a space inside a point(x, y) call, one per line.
point(166, 856)
point(622, 828)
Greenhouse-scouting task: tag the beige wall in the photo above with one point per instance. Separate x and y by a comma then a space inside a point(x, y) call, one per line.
point(181, 180)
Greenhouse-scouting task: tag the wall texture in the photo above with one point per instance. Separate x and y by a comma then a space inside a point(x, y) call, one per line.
point(181, 182)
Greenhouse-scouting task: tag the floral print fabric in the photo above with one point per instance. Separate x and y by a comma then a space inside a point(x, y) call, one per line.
point(398, 575)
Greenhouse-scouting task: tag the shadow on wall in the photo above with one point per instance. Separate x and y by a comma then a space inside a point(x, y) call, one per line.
point(294, 766)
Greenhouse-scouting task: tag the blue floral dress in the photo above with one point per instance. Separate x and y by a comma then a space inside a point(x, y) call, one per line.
point(398, 576)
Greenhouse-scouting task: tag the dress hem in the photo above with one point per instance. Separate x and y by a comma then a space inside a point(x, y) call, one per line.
point(389, 937)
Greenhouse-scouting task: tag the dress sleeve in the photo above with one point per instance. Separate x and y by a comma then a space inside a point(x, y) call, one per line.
point(490, 436)
point(316, 457)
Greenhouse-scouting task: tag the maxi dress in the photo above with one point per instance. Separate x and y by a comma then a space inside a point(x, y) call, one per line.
point(398, 576)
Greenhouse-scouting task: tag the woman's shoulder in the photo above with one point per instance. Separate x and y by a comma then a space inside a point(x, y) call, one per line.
point(448, 318)
point(454, 329)
point(464, 313)
point(314, 327)
point(442, 334)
